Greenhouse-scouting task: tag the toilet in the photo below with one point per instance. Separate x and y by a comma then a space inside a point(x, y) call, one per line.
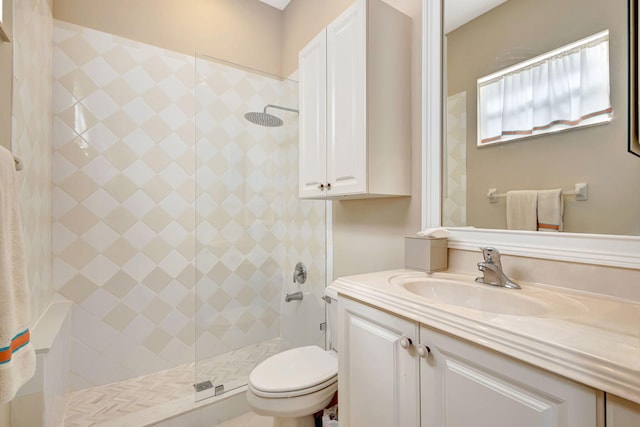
point(293, 385)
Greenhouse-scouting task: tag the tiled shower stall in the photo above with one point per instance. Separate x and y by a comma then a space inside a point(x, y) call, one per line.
point(176, 223)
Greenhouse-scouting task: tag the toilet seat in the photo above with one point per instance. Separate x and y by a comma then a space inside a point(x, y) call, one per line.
point(293, 393)
point(295, 372)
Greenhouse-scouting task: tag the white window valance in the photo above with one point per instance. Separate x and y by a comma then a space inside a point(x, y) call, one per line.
point(565, 88)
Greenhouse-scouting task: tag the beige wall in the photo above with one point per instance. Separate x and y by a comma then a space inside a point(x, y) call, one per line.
point(6, 73)
point(596, 155)
point(5, 414)
point(245, 32)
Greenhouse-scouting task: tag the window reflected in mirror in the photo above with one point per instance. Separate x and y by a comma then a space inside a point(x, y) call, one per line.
point(498, 37)
point(560, 90)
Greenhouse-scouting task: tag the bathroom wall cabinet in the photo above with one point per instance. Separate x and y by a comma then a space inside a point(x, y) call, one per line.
point(355, 94)
point(395, 372)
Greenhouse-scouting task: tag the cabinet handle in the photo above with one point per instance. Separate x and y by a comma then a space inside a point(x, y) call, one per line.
point(405, 342)
point(328, 186)
point(423, 350)
point(320, 186)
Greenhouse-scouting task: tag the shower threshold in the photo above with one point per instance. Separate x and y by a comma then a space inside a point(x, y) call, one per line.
point(158, 398)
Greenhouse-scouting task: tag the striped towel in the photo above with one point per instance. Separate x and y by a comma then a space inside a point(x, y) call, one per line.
point(17, 356)
point(550, 210)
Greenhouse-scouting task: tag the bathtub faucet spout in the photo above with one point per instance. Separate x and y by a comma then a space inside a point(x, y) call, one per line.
point(296, 296)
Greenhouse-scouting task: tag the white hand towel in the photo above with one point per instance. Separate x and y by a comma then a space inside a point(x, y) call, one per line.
point(550, 210)
point(435, 233)
point(17, 356)
point(522, 210)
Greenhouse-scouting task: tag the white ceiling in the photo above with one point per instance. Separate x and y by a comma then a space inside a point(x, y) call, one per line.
point(406, 6)
point(459, 12)
point(278, 4)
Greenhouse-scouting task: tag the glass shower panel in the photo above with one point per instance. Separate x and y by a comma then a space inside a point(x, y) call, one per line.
point(251, 229)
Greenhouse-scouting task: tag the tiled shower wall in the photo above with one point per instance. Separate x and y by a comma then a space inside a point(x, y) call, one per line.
point(125, 172)
point(252, 228)
point(31, 134)
point(454, 206)
point(240, 204)
point(123, 203)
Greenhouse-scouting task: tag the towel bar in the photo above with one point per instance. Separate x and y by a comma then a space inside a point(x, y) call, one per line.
point(581, 191)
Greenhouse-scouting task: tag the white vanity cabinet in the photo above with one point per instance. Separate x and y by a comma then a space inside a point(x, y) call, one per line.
point(463, 384)
point(378, 379)
point(355, 100)
point(455, 384)
point(621, 412)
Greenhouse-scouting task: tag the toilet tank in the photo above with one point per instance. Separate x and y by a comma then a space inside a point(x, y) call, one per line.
point(331, 304)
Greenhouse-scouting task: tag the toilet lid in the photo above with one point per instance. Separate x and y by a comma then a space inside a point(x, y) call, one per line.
point(296, 369)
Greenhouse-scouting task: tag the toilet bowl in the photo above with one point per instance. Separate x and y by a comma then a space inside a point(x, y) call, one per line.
point(293, 385)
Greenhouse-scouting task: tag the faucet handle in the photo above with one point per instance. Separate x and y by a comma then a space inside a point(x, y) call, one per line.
point(491, 255)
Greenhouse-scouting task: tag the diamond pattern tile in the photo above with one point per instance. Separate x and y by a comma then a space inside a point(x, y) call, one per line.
point(116, 135)
point(454, 209)
point(140, 208)
point(32, 118)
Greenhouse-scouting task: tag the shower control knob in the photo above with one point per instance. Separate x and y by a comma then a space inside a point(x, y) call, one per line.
point(405, 342)
point(423, 350)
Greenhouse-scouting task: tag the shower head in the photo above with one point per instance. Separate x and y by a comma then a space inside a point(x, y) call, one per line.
point(266, 119)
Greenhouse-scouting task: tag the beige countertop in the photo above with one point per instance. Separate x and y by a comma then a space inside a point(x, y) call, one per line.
point(589, 338)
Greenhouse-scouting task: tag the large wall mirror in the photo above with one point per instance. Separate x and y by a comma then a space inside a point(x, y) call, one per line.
point(473, 39)
point(4, 34)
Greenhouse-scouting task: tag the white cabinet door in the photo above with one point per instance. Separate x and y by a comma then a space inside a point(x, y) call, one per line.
point(378, 379)
point(346, 97)
point(466, 385)
point(312, 62)
point(621, 412)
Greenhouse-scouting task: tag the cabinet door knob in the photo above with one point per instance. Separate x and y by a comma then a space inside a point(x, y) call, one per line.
point(405, 342)
point(423, 350)
point(328, 186)
point(320, 186)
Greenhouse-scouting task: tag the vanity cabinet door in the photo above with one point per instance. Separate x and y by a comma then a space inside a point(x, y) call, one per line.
point(621, 412)
point(466, 385)
point(378, 378)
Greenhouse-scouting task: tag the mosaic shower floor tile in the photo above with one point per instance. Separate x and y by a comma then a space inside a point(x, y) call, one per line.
point(106, 403)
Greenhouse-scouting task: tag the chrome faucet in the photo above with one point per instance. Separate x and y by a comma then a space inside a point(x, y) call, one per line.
point(492, 270)
point(296, 296)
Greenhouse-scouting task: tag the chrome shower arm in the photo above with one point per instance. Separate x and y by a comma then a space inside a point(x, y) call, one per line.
point(280, 108)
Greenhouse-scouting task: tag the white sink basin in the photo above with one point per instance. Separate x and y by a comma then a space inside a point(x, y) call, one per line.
point(476, 296)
